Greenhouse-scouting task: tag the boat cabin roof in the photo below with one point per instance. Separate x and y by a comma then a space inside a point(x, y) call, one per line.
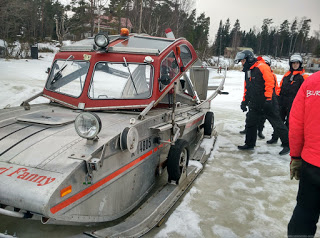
point(142, 44)
point(136, 61)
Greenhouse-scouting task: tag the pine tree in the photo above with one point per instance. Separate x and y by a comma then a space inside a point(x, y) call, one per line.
point(218, 43)
point(264, 40)
point(235, 34)
point(317, 51)
point(293, 34)
point(80, 19)
point(201, 34)
point(225, 41)
point(284, 37)
point(304, 31)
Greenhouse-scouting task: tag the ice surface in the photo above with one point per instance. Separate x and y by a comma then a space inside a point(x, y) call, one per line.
point(238, 194)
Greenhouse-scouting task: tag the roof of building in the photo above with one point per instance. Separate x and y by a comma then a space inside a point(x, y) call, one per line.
point(105, 21)
point(239, 48)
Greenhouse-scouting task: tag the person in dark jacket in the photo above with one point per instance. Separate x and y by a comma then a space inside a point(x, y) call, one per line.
point(260, 97)
point(304, 140)
point(262, 119)
point(267, 60)
point(289, 86)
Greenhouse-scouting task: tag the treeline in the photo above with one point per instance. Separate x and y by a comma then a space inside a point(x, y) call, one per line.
point(277, 41)
point(35, 20)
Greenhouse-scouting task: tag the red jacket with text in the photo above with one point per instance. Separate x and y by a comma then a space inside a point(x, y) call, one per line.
point(304, 120)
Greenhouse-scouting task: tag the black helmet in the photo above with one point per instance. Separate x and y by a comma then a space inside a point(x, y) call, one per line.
point(245, 54)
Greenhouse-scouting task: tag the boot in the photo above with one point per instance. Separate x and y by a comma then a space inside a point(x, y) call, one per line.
point(272, 141)
point(245, 147)
point(243, 131)
point(261, 136)
point(284, 151)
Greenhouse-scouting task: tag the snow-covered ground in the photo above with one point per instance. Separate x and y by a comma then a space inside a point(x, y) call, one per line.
point(239, 194)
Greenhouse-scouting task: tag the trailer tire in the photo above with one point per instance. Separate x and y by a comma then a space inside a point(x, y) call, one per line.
point(208, 123)
point(178, 159)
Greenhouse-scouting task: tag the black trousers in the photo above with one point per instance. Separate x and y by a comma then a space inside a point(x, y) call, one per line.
point(284, 115)
point(261, 121)
point(305, 216)
point(272, 115)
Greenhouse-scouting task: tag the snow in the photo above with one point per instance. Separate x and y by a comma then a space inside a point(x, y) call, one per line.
point(3, 43)
point(238, 194)
point(182, 223)
point(277, 64)
point(51, 46)
point(22, 79)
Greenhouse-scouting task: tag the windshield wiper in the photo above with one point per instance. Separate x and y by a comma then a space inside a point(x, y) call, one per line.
point(125, 62)
point(58, 75)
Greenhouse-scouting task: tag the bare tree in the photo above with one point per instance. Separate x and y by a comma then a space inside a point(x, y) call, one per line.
point(61, 29)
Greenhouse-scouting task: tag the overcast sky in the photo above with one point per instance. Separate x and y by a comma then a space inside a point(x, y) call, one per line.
point(252, 13)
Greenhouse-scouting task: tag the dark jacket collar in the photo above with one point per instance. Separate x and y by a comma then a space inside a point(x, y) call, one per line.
point(248, 65)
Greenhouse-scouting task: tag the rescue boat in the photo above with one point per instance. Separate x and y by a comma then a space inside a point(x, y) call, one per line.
point(125, 112)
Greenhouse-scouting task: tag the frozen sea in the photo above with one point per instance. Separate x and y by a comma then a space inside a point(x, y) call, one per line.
point(238, 194)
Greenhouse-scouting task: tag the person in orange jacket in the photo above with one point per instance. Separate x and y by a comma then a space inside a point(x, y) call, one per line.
point(289, 86)
point(267, 60)
point(262, 119)
point(260, 97)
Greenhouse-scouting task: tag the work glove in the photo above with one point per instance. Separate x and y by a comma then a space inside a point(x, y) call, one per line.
point(268, 106)
point(243, 106)
point(295, 165)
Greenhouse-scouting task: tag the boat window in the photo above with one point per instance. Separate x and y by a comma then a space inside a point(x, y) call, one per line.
point(68, 77)
point(185, 55)
point(169, 69)
point(121, 81)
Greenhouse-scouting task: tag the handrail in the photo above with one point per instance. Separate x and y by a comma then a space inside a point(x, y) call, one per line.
point(26, 104)
point(146, 110)
point(12, 213)
point(218, 90)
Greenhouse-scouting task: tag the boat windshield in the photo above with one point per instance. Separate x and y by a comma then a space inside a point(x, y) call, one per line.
point(121, 81)
point(68, 77)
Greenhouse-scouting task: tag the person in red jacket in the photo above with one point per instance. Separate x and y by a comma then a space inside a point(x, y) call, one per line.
point(260, 97)
point(304, 138)
point(289, 86)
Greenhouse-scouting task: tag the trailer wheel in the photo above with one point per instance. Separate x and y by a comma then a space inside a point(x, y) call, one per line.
point(178, 159)
point(208, 123)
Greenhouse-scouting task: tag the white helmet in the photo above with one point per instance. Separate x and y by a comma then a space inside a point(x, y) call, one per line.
point(267, 59)
point(295, 58)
